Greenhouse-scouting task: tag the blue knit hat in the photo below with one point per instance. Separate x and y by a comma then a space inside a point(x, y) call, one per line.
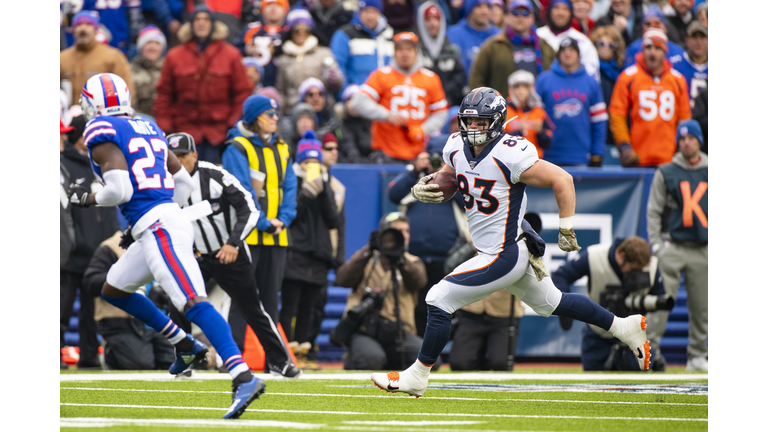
point(86, 17)
point(309, 147)
point(689, 127)
point(202, 8)
point(565, 2)
point(471, 4)
point(655, 11)
point(254, 63)
point(370, 3)
point(255, 105)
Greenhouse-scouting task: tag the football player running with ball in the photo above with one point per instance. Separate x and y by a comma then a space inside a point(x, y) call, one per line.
point(492, 170)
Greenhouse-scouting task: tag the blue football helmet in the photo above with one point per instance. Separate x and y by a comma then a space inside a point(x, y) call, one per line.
point(483, 102)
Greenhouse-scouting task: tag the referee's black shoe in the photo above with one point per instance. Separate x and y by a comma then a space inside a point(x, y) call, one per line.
point(287, 370)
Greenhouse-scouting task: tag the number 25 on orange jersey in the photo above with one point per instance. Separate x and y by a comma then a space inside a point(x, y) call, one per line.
point(407, 101)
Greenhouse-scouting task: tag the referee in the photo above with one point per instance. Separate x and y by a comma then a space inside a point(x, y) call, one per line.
point(218, 239)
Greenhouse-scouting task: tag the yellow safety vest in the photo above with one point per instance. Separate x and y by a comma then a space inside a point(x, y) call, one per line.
point(273, 164)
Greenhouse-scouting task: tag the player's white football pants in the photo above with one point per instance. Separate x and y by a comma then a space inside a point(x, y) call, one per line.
point(163, 252)
point(485, 274)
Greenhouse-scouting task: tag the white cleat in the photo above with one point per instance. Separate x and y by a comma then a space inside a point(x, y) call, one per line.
point(631, 331)
point(405, 382)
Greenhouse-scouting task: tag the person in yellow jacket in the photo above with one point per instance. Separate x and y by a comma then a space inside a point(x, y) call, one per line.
point(260, 159)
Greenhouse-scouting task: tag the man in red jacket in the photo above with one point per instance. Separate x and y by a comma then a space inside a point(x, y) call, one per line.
point(202, 85)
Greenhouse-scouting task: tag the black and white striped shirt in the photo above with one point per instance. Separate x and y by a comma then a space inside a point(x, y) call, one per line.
point(234, 211)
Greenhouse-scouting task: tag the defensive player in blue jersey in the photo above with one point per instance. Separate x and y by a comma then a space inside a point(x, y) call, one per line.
point(131, 159)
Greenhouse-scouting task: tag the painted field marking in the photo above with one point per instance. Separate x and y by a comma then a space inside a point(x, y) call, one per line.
point(409, 429)
point(354, 376)
point(412, 423)
point(391, 414)
point(391, 396)
point(90, 422)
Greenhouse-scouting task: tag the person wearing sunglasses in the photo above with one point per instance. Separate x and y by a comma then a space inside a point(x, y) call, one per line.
point(259, 158)
point(303, 57)
point(518, 47)
point(610, 50)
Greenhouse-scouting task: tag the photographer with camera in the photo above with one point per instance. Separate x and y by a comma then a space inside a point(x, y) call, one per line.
point(439, 230)
point(619, 279)
point(378, 327)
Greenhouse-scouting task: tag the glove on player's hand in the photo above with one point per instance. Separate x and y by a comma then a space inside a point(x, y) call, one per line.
point(421, 191)
point(126, 239)
point(79, 195)
point(566, 240)
point(538, 266)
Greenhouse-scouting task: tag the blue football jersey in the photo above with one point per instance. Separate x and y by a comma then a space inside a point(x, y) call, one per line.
point(146, 152)
point(697, 76)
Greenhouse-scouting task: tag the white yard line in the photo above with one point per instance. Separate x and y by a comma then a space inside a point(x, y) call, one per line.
point(391, 397)
point(366, 376)
point(356, 413)
point(91, 422)
point(100, 422)
point(412, 423)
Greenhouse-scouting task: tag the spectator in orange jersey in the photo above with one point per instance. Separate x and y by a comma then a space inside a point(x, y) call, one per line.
point(405, 101)
point(655, 98)
point(525, 104)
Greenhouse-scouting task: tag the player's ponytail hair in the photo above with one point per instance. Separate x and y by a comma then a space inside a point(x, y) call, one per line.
point(636, 250)
point(613, 34)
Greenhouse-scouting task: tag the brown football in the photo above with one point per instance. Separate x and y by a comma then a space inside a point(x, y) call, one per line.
point(447, 184)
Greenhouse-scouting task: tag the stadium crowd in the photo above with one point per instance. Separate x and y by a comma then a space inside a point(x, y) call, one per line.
point(588, 82)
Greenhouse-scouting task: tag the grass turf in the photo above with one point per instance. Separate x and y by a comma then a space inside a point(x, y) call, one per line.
point(341, 404)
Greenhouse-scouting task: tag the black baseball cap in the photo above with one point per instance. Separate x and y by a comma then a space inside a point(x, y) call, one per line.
point(181, 142)
point(569, 42)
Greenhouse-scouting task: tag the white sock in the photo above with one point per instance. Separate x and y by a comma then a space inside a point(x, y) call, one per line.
point(614, 325)
point(419, 369)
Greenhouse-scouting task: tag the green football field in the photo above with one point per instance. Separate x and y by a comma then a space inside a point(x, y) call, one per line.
point(530, 400)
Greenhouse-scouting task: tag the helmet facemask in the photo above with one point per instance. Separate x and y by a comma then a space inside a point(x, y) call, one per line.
point(478, 137)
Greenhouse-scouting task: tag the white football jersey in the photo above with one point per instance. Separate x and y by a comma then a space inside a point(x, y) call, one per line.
point(494, 199)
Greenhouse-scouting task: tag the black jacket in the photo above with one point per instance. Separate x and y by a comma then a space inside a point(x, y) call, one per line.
point(310, 253)
point(358, 147)
point(449, 68)
point(93, 224)
point(699, 113)
point(637, 26)
point(327, 21)
point(66, 226)
point(676, 28)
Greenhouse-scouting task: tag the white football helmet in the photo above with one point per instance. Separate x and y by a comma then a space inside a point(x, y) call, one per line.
point(105, 94)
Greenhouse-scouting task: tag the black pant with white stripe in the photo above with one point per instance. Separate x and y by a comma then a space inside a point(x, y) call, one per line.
point(237, 279)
